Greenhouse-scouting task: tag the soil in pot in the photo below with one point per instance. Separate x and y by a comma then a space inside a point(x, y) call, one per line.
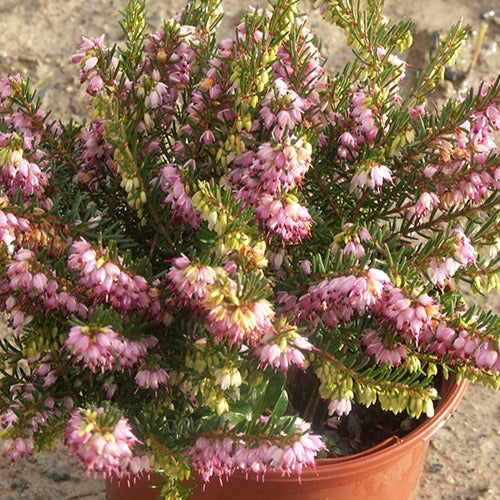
point(362, 429)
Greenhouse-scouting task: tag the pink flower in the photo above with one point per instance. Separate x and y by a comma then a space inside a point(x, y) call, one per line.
point(91, 51)
point(306, 266)
point(464, 346)
point(271, 169)
point(424, 206)
point(341, 297)
point(409, 314)
point(283, 349)
point(487, 357)
point(18, 172)
point(444, 336)
point(96, 84)
point(101, 449)
point(191, 282)
point(285, 217)
point(208, 137)
point(182, 204)
point(440, 271)
point(359, 125)
point(40, 282)
point(339, 407)
point(417, 111)
point(15, 448)
point(112, 284)
point(95, 347)
point(146, 379)
point(348, 140)
point(158, 95)
point(86, 45)
point(133, 352)
point(465, 253)
point(223, 456)
point(242, 323)
point(6, 89)
point(385, 350)
point(9, 225)
point(96, 155)
point(46, 372)
point(371, 177)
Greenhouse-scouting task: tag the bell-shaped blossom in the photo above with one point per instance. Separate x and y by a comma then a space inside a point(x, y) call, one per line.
point(14, 448)
point(384, 350)
point(96, 347)
point(18, 172)
point(371, 177)
point(191, 282)
point(223, 456)
point(283, 349)
point(339, 298)
point(103, 450)
point(240, 323)
point(409, 314)
point(285, 217)
point(181, 203)
point(110, 282)
point(425, 204)
point(151, 379)
point(339, 407)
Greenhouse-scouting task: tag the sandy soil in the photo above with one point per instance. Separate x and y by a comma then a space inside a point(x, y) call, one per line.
point(37, 37)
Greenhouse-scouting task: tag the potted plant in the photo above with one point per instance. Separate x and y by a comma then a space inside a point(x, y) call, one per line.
point(237, 249)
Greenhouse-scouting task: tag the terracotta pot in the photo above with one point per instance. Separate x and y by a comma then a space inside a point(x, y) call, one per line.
point(390, 470)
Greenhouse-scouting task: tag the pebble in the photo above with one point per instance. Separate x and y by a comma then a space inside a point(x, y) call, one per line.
point(59, 473)
point(455, 75)
point(433, 468)
point(488, 14)
point(406, 424)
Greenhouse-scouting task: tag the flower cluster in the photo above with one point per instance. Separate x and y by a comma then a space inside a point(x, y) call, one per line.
point(282, 348)
point(103, 449)
point(95, 348)
point(107, 281)
point(222, 457)
point(340, 298)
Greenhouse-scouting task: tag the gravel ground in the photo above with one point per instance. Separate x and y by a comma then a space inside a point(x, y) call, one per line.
point(37, 37)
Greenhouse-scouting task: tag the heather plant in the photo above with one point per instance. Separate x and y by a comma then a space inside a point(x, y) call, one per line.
point(237, 246)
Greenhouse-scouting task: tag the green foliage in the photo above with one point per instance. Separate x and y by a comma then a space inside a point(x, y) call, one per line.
point(260, 236)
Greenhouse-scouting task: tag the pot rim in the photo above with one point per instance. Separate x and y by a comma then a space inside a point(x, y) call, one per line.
point(451, 395)
point(388, 450)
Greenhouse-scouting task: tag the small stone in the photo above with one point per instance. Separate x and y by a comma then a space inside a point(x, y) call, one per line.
point(433, 468)
point(434, 445)
point(406, 424)
point(455, 75)
point(59, 473)
point(488, 14)
point(449, 480)
point(485, 492)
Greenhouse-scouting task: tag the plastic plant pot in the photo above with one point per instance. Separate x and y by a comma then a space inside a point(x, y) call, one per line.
point(390, 470)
